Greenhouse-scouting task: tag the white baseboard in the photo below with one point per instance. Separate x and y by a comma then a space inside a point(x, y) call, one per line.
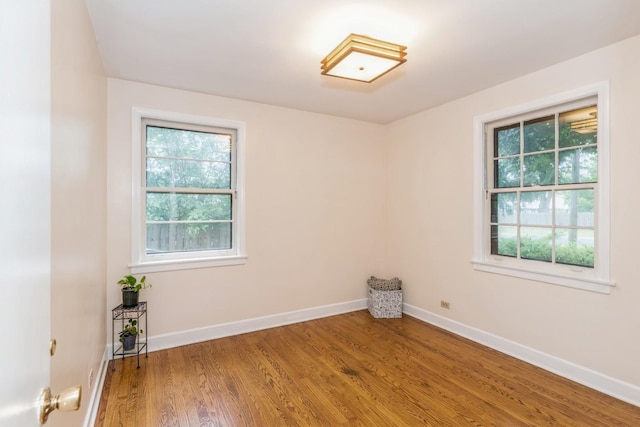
point(96, 393)
point(616, 388)
point(176, 339)
point(613, 387)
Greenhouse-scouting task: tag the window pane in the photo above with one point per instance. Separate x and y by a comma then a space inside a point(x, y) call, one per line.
point(181, 237)
point(578, 165)
point(539, 169)
point(504, 240)
point(507, 172)
point(187, 144)
point(578, 127)
point(535, 207)
point(535, 243)
point(507, 140)
point(539, 134)
point(504, 208)
point(575, 247)
point(162, 172)
point(188, 207)
point(575, 208)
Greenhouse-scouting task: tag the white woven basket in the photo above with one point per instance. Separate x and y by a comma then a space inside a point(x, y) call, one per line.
point(385, 304)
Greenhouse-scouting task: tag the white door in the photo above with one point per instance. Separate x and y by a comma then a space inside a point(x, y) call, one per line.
point(25, 219)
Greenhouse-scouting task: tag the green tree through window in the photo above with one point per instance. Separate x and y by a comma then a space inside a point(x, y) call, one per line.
point(543, 194)
point(189, 202)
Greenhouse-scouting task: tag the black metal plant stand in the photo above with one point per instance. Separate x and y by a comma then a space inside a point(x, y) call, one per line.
point(121, 316)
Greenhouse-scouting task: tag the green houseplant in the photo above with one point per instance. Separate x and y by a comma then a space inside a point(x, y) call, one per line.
point(130, 288)
point(128, 335)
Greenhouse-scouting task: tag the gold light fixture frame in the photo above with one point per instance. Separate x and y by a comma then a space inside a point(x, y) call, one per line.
point(586, 126)
point(363, 58)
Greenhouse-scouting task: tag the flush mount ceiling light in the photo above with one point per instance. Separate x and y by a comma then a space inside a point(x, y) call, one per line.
point(362, 58)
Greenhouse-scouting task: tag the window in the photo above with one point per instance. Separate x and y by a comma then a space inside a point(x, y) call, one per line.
point(188, 204)
point(543, 178)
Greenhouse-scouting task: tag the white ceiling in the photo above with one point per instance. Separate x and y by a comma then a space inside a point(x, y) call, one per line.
point(269, 51)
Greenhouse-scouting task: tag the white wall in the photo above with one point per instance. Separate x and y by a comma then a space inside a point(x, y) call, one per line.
point(315, 212)
point(430, 217)
point(78, 203)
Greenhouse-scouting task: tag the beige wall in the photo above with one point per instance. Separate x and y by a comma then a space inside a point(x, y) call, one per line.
point(429, 231)
point(78, 205)
point(315, 212)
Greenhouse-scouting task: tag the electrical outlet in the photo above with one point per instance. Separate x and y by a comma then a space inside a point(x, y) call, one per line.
point(90, 377)
point(445, 304)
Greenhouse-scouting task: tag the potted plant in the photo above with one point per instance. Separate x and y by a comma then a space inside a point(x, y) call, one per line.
point(130, 288)
point(128, 335)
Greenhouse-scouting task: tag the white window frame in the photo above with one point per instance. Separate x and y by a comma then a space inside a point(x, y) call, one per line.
point(140, 261)
point(598, 278)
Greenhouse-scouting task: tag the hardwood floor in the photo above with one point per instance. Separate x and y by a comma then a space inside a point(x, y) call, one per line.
point(349, 369)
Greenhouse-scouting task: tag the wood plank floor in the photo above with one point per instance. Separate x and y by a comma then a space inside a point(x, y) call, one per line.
point(351, 370)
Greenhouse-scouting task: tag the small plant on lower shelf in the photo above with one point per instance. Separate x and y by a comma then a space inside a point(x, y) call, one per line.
point(128, 335)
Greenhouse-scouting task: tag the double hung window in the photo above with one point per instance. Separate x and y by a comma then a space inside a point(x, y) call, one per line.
point(543, 212)
point(543, 183)
point(188, 211)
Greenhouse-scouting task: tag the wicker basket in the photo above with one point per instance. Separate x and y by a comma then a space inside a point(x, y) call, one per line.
point(385, 304)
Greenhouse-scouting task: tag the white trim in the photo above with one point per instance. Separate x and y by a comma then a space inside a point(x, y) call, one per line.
point(96, 393)
point(599, 278)
point(622, 390)
point(569, 279)
point(235, 257)
point(190, 336)
point(185, 264)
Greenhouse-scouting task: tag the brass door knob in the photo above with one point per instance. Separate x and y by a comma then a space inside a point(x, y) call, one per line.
point(68, 400)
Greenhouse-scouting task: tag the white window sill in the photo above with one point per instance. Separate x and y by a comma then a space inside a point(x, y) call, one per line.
point(186, 264)
point(574, 279)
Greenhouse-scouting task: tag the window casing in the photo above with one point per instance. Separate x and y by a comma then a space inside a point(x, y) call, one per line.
point(188, 204)
point(541, 179)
